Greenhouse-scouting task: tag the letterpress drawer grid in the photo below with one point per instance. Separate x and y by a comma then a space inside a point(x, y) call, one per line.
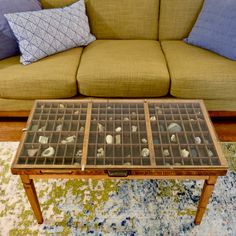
point(116, 133)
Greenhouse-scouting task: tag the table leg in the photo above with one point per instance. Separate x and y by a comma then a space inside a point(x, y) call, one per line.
point(205, 196)
point(32, 197)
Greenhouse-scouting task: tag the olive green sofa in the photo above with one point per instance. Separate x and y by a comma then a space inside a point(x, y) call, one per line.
point(139, 52)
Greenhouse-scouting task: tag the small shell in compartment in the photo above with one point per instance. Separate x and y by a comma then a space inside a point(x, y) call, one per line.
point(43, 128)
point(81, 129)
point(43, 139)
point(69, 139)
point(184, 153)
point(144, 140)
point(118, 129)
point(32, 152)
point(59, 128)
point(109, 139)
point(173, 138)
point(197, 140)
point(134, 128)
point(79, 153)
point(174, 127)
point(101, 128)
point(166, 153)
point(49, 152)
point(145, 152)
point(153, 118)
point(100, 152)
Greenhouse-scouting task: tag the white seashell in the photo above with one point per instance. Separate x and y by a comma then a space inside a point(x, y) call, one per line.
point(71, 139)
point(184, 153)
point(153, 118)
point(59, 128)
point(133, 113)
point(100, 128)
point(118, 139)
point(49, 152)
point(32, 152)
point(100, 152)
point(76, 113)
point(166, 153)
point(126, 118)
point(173, 138)
point(109, 139)
point(43, 128)
point(145, 152)
point(134, 128)
point(109, 107)
point(79, 153)
point(197, 140)
point(174, 127)
point(60, 118)
point(144, 140)
point(118, 129)
point(61, 105)
point(43, 139)
point(81, 129)
point(110, 118)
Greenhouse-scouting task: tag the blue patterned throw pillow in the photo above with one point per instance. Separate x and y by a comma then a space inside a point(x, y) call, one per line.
point(215, 28)
point(46, 32)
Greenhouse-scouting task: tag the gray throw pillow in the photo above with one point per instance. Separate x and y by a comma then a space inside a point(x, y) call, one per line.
point(47, 32)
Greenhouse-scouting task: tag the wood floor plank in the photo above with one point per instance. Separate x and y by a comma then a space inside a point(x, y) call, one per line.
point(11, 130)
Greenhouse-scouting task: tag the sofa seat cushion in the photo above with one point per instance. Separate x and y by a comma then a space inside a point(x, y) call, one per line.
point(123, 68)
point(198, 73)
point(51, 77)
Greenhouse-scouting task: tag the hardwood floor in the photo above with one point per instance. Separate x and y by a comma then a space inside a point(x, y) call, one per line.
point(11, 128)
point(225, 129)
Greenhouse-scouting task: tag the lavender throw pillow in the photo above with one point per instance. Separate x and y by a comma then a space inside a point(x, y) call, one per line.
point(8, 43)
point(215, 28)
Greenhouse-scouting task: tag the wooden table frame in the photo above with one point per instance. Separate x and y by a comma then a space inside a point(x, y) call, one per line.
point(208, 173)
point(28, 183)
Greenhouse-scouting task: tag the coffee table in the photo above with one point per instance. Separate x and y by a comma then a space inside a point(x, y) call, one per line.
point(127, 139)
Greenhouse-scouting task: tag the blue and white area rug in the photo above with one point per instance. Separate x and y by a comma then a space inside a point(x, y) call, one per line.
point(79, 207)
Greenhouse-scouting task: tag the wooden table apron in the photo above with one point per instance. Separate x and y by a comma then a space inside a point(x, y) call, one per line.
point(208, 173)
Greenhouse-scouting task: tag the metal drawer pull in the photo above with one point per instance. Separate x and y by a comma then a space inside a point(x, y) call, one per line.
point(117, 173)
point(55, 172)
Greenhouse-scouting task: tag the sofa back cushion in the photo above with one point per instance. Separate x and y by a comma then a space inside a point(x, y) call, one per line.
point(118, 19)
point(56, 3)
point(177, 18)
point(123, 19)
